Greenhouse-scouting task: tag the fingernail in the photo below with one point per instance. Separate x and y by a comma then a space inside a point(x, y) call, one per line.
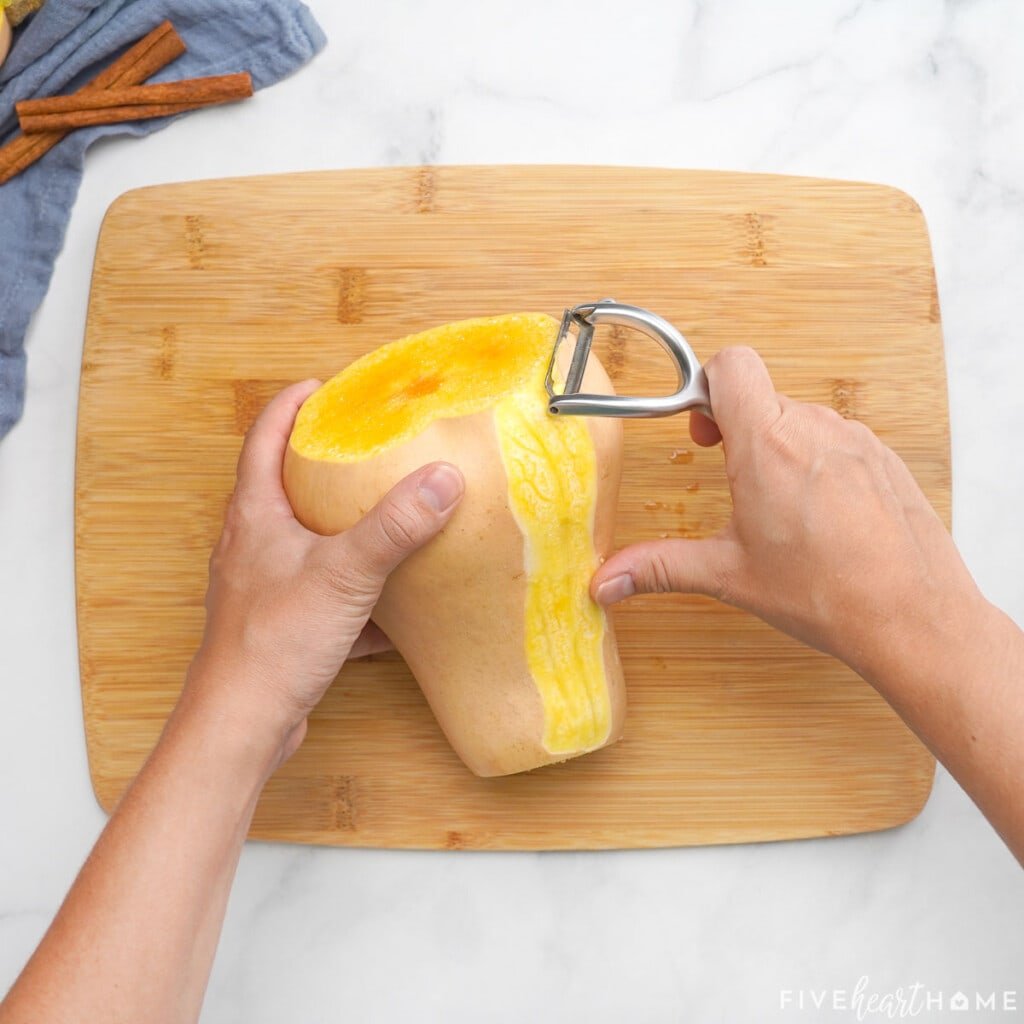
point(441, 487)
point(618, 588)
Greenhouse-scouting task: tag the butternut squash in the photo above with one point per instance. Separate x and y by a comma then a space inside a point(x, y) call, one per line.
point(493, 616)
point(5, 33)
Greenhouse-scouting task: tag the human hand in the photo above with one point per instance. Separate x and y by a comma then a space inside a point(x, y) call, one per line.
point(286, 607)
point(831, 539)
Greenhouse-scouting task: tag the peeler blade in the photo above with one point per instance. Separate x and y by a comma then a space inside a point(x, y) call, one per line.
point(581, 353)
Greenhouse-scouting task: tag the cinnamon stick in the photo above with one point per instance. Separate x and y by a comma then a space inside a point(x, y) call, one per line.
point(37, 123)
point(142, 61)
point(190, 91)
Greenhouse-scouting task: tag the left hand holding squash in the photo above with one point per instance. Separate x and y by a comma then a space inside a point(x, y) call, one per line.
point(285, 606)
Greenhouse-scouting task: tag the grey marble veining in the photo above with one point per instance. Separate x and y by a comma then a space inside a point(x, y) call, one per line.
point(924, 95)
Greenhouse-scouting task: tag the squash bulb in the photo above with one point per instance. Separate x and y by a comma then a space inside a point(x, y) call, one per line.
point(493, 616)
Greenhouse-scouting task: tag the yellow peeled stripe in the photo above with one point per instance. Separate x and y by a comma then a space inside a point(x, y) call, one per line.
point(552, 480)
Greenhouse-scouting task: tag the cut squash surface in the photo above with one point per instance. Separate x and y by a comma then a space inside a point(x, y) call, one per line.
point(395, 392)
point(459, 369)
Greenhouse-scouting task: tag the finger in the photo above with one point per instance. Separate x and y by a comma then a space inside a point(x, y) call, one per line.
point(409, 515)
point(662, 566)
point(743, 397)
point(703, 430)
point(259, 464)
point(372, 640)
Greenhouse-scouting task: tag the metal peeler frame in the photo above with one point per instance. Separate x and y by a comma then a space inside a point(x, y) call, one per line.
point(692, 392)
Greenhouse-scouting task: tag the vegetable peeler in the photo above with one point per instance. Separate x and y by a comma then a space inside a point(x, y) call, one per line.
point(692, 392)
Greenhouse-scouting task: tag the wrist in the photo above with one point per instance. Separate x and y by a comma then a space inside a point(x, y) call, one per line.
point(218, 709)
point(926, 640)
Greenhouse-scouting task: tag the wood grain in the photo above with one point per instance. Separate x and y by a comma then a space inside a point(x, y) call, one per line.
point(208, 297)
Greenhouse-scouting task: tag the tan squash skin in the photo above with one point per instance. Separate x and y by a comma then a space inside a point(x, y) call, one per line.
point(5, 36)
point(455, 609)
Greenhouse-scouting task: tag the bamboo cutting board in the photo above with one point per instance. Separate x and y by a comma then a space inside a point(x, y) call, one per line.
point(208, 297)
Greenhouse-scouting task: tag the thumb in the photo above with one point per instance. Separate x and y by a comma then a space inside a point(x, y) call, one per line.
point(409, 515)
point(661, 566)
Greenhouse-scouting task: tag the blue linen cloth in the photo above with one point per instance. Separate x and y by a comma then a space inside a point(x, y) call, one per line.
point(61, 48)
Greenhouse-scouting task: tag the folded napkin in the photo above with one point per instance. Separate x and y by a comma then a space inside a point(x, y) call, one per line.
point(60, 49)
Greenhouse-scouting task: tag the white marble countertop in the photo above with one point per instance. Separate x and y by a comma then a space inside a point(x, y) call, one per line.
point(924, 95)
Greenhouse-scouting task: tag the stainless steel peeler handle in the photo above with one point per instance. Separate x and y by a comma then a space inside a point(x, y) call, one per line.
point(692, 392)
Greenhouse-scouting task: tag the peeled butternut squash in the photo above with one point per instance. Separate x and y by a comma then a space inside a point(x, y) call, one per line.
point(493, 616)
